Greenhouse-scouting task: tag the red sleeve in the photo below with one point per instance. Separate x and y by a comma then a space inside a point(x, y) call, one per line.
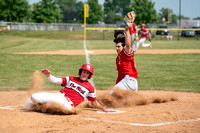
point(92, 94)
point(63, 82)
point(92, 99)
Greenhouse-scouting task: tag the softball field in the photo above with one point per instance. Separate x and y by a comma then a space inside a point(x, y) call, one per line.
point(143, 111)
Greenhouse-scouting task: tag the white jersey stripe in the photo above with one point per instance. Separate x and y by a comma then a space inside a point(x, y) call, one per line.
point(81, 90)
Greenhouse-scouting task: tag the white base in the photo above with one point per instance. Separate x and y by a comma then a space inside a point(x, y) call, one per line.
point(117, 111)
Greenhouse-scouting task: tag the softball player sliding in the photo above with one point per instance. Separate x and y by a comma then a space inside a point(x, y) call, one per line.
point(76, 90)
point(144, 33)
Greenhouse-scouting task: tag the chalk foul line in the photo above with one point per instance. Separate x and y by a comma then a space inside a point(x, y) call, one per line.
point(10, 107)
point(145, 125)
point(88, 60)
point(119, 122)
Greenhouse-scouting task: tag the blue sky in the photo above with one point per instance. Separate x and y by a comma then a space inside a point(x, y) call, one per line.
point(189, 8)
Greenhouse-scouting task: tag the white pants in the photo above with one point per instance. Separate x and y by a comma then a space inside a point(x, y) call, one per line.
point(141, 41)
point(45, 97)
point(128, 83)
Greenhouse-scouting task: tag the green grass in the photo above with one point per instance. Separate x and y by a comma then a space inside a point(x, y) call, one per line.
point(60, 35)
point(169, 72)
point(178, 72)
point(108, 44)
point(16, 70)
point(18, 44)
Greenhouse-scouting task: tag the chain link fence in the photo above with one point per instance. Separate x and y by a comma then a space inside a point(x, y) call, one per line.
point(78, 27)
point(51, 26)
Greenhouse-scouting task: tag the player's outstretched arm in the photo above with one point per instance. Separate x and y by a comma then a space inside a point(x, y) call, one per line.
point(53, 79)
point(97, 105)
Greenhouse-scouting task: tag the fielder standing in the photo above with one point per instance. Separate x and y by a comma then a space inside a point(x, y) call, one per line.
point(144, 33)
point(133, 32)
point(76, 90)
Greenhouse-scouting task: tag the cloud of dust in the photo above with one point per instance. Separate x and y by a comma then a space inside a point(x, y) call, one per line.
point(52, 108)
point(162, 97)
point(37, 82)
point(125, 98)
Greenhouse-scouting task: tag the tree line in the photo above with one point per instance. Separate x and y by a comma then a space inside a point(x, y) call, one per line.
point(71, 11)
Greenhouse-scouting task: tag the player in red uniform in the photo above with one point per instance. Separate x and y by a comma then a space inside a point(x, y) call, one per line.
point(127, 72)
point(76, 90)
point(144, 33)
point(134, 35)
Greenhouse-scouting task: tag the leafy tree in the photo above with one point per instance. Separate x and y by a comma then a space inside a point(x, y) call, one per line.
point(115, 10)
point(145, 11)
point(108, 6)
point(166, 12)
point(197, 18)
point(95, 12)
point(78, 9)
point(120, 7)
point(169, 16)
point(14, 10)
point(46, 11)
point(70, 9)
point(112, 18)
point(185, 18)
point(174, 18)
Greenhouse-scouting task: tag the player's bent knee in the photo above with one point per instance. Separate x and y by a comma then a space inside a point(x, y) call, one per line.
point(33, 99)
point(36, 98)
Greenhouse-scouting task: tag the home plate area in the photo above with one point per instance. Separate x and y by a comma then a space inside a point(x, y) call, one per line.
point(181, 115)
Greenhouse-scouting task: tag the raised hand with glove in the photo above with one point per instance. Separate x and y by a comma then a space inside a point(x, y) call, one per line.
point(129, 21)
point(129, 18)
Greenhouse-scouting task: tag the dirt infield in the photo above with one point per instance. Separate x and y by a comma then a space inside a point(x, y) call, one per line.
point(161, 115)
point(182, 115)
point(145, 111)
point(112, 51)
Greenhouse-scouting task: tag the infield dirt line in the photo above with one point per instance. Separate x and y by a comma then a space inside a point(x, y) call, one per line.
point(145, 125)
point(112, 51)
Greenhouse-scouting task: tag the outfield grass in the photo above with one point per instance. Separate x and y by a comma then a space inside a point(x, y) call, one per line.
point(108, 44)
point(169, 72)
point(158, 72)
point(91, 35)
point(60, 35)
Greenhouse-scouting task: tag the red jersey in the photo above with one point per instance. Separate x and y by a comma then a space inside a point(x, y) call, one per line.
point(143, 33)
point(133, 28)
point(77, 90)
point(126, 65)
